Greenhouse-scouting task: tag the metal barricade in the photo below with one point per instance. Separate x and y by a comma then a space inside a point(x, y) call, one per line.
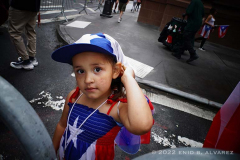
point(19, 116)
point(48, 5)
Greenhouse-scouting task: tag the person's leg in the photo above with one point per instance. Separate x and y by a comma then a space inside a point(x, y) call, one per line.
point(120, 16)
point(134, 6)
point(115, 7)
point(31, 37)
point(16, 25)
point(203, 42)
point(189, 38)
point(116, 4)
point(122, 7)
point(199, 38)
point(17, 21)
point(137, 7)
point(182, 47)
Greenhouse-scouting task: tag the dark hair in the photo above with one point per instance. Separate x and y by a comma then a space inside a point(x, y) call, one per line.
point(212, 11)
point(116, 85)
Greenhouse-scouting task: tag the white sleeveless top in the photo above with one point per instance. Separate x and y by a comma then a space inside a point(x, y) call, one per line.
point(211, 21)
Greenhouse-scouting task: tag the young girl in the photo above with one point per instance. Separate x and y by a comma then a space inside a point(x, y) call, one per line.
point(207, 28)
point(95, 111)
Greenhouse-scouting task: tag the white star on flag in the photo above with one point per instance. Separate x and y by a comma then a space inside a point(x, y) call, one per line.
point(74, 132)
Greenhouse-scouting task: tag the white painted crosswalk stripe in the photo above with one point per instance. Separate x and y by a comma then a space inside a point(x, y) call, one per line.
point(78, 24)
point(141, 69)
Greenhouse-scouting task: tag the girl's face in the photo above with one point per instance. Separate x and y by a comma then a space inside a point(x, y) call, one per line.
point(94, 74)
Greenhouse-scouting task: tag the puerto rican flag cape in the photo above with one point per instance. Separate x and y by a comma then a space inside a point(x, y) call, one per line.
point(222, 30)
point(225, 129)
point(205, 31)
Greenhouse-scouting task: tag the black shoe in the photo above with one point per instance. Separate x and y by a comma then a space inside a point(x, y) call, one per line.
point(192, 58)
point(33, 60)
point(178, 56)
point(114, 11)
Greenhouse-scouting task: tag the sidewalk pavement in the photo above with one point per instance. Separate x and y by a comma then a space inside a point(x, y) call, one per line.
point(211, 78)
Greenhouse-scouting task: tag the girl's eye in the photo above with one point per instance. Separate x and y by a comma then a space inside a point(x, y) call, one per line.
point(97, 69)
point(80, 71)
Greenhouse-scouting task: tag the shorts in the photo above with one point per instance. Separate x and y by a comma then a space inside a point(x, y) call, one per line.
point(122, 6)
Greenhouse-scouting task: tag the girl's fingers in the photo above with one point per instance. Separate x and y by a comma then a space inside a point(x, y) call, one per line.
point(123, 67)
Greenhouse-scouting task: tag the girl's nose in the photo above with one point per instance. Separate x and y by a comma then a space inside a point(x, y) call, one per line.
point(89, 78)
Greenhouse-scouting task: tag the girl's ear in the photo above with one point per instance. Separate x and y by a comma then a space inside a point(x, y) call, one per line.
point(117, 70)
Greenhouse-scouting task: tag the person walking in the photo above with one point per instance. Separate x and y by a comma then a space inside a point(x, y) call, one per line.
point(138, 5)
point(122, 7)
point(115, 6)
point(101, 3)
point(207, 28)
point(195, 13)
point(22, 17)
point(134, 5)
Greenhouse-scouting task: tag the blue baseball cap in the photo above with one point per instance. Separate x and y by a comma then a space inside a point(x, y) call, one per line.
point(99, 42)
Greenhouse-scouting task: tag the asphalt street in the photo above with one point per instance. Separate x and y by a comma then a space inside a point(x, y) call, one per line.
point(52, 81)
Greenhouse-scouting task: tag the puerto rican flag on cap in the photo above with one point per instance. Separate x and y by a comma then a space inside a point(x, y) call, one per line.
point(222, 30)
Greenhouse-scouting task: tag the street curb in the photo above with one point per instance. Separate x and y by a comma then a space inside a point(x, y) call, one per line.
point(179, 92)
point(63, 34)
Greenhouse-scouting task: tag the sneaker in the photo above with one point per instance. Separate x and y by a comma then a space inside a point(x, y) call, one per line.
point(192, 58)
point(119, 20)
point(202, 49)
point(22, 64)
point(114, 11)
point(32, 60)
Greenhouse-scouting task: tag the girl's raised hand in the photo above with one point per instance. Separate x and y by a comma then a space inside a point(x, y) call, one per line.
point(126, 71)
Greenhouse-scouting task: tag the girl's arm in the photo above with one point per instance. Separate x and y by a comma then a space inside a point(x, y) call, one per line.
point(135, 115)
point(61, 124)
point(208, 18)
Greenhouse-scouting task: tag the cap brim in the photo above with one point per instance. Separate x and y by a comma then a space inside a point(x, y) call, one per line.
point(66, 53)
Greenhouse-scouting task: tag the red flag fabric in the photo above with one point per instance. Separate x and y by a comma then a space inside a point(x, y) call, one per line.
point(224, 133)
point(169, 39)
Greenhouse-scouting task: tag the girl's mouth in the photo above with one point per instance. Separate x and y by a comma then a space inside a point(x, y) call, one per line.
point(90, 89)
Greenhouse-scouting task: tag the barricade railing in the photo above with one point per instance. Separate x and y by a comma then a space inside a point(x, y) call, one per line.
point(48, 5)
point(20, 117)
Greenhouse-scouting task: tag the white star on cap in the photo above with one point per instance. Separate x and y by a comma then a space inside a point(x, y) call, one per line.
point(86, 38)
